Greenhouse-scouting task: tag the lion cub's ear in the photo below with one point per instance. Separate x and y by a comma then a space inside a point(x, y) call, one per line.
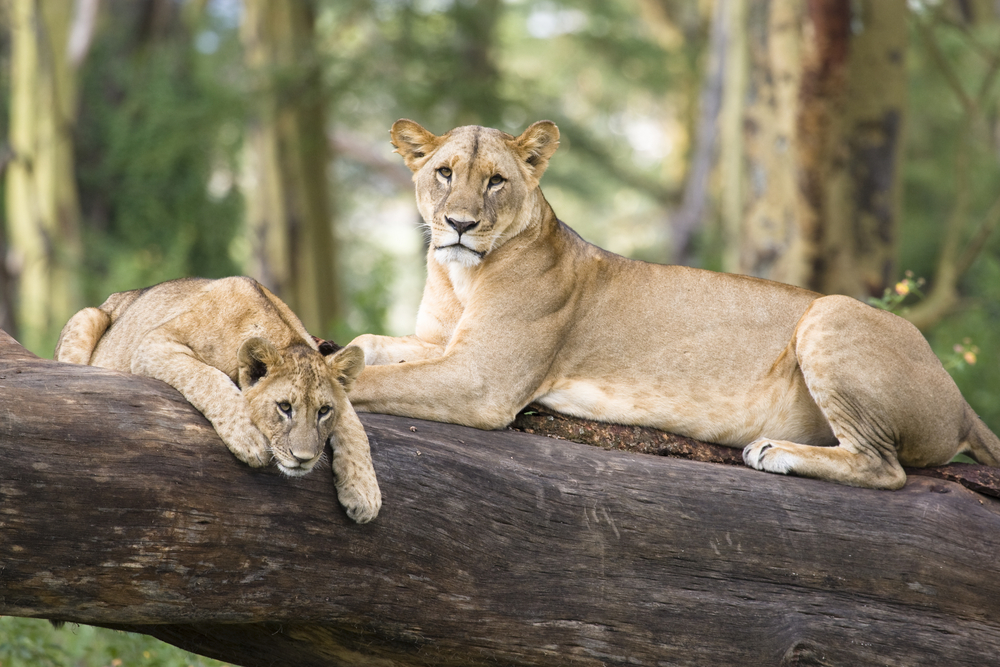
point(347, 365)
point(255, 357)
point(413, 142)
point(537, 144)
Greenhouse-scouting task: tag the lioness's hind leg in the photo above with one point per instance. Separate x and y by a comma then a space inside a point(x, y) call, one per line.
point(80, 336)
point(844, 463)
point(885, 395)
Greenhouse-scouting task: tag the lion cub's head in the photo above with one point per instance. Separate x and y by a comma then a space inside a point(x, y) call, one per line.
point(296, 397)
point(473, 184)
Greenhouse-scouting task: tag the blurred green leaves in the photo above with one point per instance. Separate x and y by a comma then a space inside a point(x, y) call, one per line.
point(32, 642)
point(157, 156)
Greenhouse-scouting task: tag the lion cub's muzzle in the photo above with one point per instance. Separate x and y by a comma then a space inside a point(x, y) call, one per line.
point(294, 467)
point(297, 461)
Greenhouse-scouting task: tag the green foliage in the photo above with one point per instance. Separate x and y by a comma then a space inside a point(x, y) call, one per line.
point(158, 138)
point(939, 129)
point(894, 297)
point(976, 328)
point(32, 642)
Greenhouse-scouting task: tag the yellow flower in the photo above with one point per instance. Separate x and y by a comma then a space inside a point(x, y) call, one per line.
point(903, 287)
point(970, 357)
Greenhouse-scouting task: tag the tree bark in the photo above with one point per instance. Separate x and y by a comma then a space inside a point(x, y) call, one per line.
point(120, 507)
point(289, 212)
point(819, 171)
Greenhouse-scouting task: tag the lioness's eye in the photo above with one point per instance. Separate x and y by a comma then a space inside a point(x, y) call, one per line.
point(445, 172)
point(285, 407)
point(497, 179)
point(325, 410)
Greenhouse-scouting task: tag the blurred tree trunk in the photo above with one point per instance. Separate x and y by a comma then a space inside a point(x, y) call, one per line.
point(289, 214)
point(821, 118)
point(8, 321)
point(42, 208)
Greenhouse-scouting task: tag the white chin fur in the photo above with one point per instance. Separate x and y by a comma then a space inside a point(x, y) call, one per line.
point(457, 254)
point(294, 472)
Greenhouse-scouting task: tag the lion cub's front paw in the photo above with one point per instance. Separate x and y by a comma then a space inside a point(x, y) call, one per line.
point(361, 497)
point(767, 455)
point(250, 446)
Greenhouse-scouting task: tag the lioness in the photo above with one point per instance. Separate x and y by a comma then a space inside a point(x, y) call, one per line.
point(518, 308)
point(239, 355)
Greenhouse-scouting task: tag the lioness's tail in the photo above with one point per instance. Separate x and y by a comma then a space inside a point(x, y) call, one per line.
point(79, 337)
point(980, 442)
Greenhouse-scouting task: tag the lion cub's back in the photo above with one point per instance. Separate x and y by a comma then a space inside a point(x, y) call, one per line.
point(216, 313)
point(137, 312)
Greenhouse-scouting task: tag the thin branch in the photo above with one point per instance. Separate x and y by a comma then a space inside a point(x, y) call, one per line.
point(978, 241)
point(941, 61)
point(954, 262)
point(689, 216)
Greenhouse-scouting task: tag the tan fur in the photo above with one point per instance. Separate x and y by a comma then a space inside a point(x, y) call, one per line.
point(518, 308)
point(239, 355)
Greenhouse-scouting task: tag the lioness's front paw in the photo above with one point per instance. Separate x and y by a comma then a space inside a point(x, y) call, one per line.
point(361, 498)
point(251, 447)
point(768, 456)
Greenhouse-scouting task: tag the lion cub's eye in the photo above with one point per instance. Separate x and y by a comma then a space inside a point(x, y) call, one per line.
point(496, 179)
point(285, 407)
point(324, 411)
point(444, 172)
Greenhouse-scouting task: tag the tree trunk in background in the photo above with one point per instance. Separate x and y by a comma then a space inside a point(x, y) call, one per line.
point(42, 208)
point(819, 169)
point(861, 238)
point(289, 212)
point(8, 319)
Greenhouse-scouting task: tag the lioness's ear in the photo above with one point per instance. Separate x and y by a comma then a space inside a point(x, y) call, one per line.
point(537, 144)
point(413, 142)
point(255, 357)
point(347, 365)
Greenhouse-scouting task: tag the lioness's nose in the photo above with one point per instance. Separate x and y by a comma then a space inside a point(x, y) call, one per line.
point(461, 226)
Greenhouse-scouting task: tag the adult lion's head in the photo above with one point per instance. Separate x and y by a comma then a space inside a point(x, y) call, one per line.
point(473, 184)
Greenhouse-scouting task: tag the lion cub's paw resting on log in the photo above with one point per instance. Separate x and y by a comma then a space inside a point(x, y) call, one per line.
point(238, 354)
point(518, 308)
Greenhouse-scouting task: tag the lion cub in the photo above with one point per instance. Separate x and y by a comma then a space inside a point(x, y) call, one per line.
point(239, 355)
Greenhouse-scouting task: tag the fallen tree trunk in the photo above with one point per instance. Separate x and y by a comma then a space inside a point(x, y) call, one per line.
point(122, 508)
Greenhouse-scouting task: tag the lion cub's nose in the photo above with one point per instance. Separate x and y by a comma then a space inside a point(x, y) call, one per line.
point(461, 226)
point(302, 457)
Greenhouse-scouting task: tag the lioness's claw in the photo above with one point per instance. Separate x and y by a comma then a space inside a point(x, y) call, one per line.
point(778, 461)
